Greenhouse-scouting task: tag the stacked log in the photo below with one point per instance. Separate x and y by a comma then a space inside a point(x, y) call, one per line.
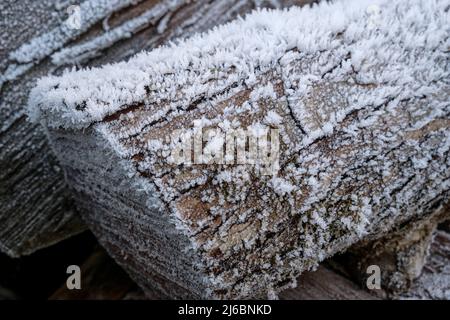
point(358, 98)
point(44, 37)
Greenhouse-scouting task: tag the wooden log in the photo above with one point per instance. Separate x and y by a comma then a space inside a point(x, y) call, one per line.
point(434, 282)
point(401, 255)
point(359, 100)
point(36, 209)
point(325, 284)
point(101, 279)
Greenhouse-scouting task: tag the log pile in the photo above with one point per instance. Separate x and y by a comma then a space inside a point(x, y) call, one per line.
point(102, 278)
point(43, 37)
point(359, 105)
point(434, 282)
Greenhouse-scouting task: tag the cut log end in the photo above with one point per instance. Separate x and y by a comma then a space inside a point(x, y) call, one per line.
point(34, 200)
point(362, 118)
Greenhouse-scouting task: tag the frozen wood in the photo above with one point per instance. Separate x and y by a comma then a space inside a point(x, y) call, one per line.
point(360, 99)
point(36, 210)
point(104, 280)
point(434, 282)
point(401, 255)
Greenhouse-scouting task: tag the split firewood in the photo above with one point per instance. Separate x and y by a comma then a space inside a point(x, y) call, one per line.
point(102, 279)
point(225, 165)
point(401, 255)
point(44, 37)
point(434, 282)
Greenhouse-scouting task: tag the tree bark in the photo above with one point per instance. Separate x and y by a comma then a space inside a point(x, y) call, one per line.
point(363, 122)
point(36, 208)
point(401, 255)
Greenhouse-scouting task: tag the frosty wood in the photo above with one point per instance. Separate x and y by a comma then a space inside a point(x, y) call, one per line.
point(36, 210)
point(361, 103)
point(400, 255)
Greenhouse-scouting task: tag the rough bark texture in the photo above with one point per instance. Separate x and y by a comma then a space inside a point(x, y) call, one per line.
point(36, 210)
point(102, 278)
point(401, 255)
point(364, 143)
point(434, 282)
point(34, 207)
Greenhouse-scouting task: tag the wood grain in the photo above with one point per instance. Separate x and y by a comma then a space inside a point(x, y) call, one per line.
point(36, 208)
